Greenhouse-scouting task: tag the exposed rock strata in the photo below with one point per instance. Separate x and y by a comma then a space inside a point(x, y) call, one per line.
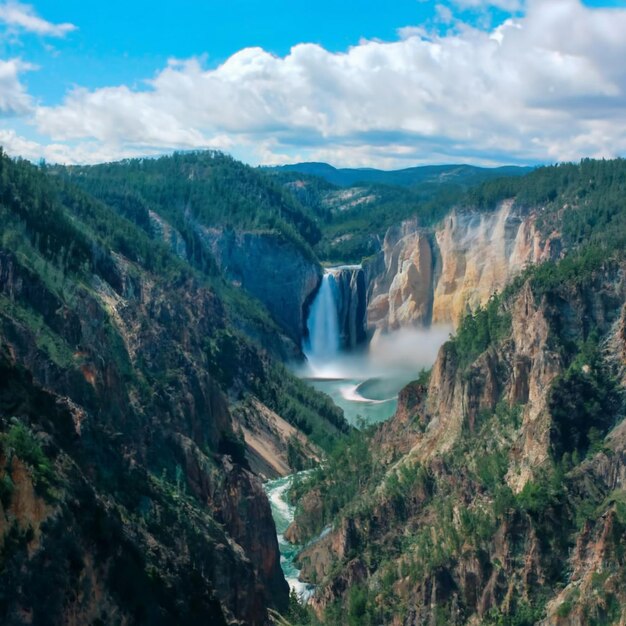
point(129, 386)
point(528, 550)
point(424, 276)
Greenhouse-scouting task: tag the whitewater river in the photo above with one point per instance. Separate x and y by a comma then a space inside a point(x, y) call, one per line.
point(283, 513)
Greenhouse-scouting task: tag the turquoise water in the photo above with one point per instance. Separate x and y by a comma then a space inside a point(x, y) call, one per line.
point(373, 400)
point(366, 387)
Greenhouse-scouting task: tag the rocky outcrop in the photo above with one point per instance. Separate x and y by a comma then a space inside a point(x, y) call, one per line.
point(597, 581)
point(424, 276)
point(272, 444)
point(271, 269)
point(168, 235)
point(520, 371)
point(132, 405)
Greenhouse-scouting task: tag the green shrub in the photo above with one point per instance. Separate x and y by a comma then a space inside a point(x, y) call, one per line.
point(20, 441)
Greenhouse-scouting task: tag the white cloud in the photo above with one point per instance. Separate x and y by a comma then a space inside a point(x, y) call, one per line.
point(22, 17)
point(444, 13)
point(15, 145)
point(550, 85)
point(14, 99)
point(512, 6)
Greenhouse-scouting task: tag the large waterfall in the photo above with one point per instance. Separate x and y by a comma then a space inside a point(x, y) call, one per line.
point(362, 379)
point(322, 345)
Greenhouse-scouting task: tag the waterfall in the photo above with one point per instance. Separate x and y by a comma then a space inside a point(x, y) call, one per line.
point(323, 323)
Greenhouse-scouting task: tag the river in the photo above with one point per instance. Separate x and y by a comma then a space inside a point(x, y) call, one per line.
point(283, 514)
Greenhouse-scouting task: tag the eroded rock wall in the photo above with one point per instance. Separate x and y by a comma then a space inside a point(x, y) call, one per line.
point(425, 276)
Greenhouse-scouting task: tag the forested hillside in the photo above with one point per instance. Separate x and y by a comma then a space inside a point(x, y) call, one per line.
point(353, 220)
point(132, 386)
point(146, 310)
point(459, 175)
point(208, 187)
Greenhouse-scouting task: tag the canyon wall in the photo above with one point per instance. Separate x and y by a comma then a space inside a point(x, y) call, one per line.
point(426, 276)
point(269, 268)
point(478, 510)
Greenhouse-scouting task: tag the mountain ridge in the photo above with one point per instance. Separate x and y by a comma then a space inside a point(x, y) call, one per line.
point(461, 174)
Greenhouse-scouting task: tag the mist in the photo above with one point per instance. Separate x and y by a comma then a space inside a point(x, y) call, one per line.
point(402, 352)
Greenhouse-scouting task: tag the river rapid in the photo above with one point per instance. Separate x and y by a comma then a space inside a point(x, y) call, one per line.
point(283, 514)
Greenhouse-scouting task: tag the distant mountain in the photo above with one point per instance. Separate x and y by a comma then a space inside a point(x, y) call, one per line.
point(464, 175)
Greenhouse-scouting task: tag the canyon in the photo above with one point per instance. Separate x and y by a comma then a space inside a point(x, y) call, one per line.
point(153, 344)
point(495, 492)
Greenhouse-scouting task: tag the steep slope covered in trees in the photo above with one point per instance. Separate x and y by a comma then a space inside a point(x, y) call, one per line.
point(461, 175)
point(223, 217)
point(129, 398)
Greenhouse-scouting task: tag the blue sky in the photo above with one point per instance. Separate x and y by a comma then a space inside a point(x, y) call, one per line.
point(125, 42)
point(95, 81)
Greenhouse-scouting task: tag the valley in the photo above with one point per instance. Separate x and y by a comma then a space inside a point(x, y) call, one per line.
point(405, 402)
point(313, 314)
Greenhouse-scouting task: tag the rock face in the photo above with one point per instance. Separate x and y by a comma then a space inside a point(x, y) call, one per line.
point(270, 269)
point(425, 276)
point(168, 235)
point(473, 517)
point(351, 305)
point(210, 537)
point(269, 439)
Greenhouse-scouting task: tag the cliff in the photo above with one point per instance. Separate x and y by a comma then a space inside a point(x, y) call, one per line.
point(104, 357)
point(222, 217)
point(271, 269)
point(496, 491)
point(426, 276)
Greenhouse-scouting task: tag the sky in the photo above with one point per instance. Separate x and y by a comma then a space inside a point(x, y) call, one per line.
point(363, 84)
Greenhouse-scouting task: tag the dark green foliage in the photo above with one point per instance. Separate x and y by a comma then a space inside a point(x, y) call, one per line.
point(6, 489)
point(584, 404)
point(29, 206)
point(574, 268)
point(299, 614)
point(462, 175)
point(423, 377)
point(351, 234)
point(349, 468)
point(492, 468)
point(478, 331)
point(297, 402)
point(539, 495)
point(21, 442)
point(523, 614)
point(208, 187)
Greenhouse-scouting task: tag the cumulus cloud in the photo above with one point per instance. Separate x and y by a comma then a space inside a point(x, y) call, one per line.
point(14, 98)
point(15, 145)
point(548, 85)
point(22, 17)
point(512, 6)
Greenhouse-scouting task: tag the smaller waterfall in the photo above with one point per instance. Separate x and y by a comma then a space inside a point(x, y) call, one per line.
point(323, 323)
